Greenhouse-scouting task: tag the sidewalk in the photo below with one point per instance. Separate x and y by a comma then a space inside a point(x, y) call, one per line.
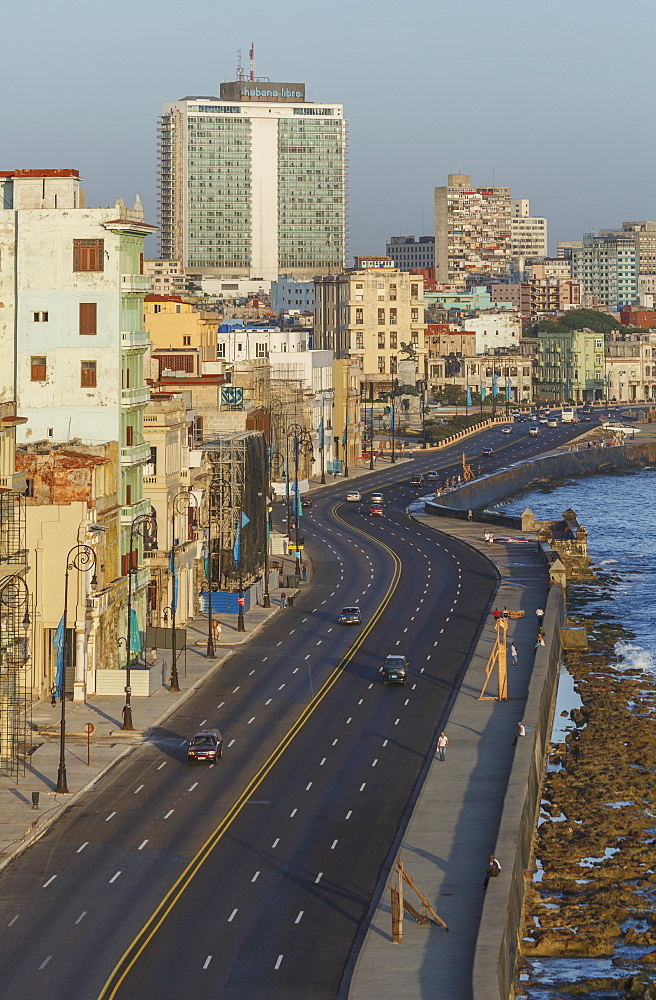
point(454, 825)
point(20, 824)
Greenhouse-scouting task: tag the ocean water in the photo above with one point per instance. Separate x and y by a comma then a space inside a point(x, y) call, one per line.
point(618, 512)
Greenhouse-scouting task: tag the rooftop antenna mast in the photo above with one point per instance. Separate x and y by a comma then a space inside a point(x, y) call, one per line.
point(251, 57)
point(240, 69)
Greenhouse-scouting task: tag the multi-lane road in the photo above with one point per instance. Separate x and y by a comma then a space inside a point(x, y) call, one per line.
point(254, 877)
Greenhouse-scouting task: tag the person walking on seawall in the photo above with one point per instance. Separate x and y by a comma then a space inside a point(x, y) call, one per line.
point(442, 744)
point(283, 600)
point(497, 614)
point(493, 870)
point(513, 654)
point(539, 613)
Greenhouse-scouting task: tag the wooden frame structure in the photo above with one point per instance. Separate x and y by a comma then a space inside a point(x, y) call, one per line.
point(498, 658)
point(425, 916)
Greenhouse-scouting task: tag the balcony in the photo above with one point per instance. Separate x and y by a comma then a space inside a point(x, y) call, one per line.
point(135, 338)
point(135, 454)
point(138, 396)
point(136, 283)
point(134, 510)
point(17, 482)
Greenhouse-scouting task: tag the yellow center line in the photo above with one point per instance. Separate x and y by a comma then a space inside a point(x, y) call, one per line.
point(136, 948)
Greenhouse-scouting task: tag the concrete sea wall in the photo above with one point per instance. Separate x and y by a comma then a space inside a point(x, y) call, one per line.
point(492, 489)
point(497, 946)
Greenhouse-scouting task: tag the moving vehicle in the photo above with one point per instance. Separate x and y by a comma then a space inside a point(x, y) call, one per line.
point(376, 510)
point(568, 415)
point(506, 429)
point(376, 498)
point(350, 616)
point(431, 477)
point(353, 495)
point(534, 432)
point(306, 501)
point(416, 480)
point(205, 746)
point(552, 423)
point(487, 451)
point(395, 670)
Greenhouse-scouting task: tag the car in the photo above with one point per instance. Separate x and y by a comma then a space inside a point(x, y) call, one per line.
point(206, 746)
point(534, 431)
point(487, 451)
point(585, 418)
point(552, 423)
point(376, 498)
point(521, 419)
point(350, 616)
point(416, 480)
point(306, 501)
point(533, 418)
point(506, 429)
point(515, 413)
point(432, 476)
point(395, 670)
point(544, 420)
point(376, 510)
point(354, 496)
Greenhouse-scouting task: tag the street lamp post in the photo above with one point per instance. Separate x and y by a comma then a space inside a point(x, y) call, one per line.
point(371, 426)
point(142, 525)
point(13, 601)
point(393, 418)
point(180, 503)
point(325, 394)
point(81, 558)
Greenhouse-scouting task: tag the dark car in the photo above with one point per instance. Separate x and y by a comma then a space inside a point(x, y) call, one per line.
point(395, 670)
point(376, 510)
point(350, 616)
point(205, 746)
point(487, 451)
point(416, 480)
point(306, 501)
point(432, 476)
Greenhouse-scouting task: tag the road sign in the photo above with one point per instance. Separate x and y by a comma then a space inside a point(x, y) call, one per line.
point(232, 395)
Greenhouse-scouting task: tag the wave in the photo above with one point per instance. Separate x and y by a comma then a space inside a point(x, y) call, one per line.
point(632, 657)
point(609, 562)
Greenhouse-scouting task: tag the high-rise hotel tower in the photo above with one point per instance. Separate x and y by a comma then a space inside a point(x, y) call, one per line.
point(252, 184)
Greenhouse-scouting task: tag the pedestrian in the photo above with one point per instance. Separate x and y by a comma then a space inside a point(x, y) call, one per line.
point(540, 640)
point(442, 744)
point(539, 614)
point(521, 731)
point(513, 654)
point(283, 600)
point(493, 870)
point(497, 614)
point(505, 611)
point(216, 628)
point(304, 572)
point(470, 515)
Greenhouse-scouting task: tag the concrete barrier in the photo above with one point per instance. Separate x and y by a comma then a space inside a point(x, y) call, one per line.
point(497, 946)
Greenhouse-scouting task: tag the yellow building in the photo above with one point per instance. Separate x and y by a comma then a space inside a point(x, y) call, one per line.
point(172, 322)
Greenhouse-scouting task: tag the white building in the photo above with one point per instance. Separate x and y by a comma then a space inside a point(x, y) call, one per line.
point(253, 183)
point(495, 328)
point(288, 295)
point(244, 343)
point(528, 234)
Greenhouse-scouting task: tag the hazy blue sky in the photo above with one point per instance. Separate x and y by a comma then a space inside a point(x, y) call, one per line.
point(554, 99)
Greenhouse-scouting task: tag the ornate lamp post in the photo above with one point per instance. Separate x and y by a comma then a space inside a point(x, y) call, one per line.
point(351, 393)
point(326, 394)
point(302, 446)
point(14, 598)
point(144, 525)
point(181, 503)
point(81, 558)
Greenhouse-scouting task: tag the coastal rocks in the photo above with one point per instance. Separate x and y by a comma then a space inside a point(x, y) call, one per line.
point(596, 867)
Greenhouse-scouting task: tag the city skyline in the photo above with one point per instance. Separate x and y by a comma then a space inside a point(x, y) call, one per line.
point(511, 102)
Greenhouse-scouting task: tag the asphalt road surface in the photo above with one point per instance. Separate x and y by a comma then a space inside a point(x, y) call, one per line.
point(254, 877)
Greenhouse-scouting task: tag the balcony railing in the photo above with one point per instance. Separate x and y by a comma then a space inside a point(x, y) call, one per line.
point(135, 338)
point(135, 283)
point(134, 510)
point(135, 454)
point(136, 396)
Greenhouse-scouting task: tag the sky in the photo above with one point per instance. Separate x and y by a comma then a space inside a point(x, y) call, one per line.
point(554, 100)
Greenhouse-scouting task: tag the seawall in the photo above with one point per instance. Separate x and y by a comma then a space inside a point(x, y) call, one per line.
point(497, 945)
point(488, 490)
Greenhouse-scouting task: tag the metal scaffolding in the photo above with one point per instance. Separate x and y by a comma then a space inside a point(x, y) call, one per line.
point(15, 686)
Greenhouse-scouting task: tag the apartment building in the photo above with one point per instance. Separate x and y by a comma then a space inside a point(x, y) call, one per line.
point(607, 268)
point(571, 366)
point(410, 254)
point(253, 183)
point(528, 234)
point(472, 230)
point(167, 276)
point(631, 367)
point(374, 317)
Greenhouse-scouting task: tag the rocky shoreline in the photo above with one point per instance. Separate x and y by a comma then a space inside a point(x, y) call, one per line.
point(593, 890)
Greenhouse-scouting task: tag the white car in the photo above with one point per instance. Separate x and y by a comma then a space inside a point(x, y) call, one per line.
point(534, 432)
point(376, 497)
point(506, 430)
point(353, 495)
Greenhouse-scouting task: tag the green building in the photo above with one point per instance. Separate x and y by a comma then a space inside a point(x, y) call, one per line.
point(571, 366)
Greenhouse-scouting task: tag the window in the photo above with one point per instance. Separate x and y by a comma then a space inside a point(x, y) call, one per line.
point(392, 293)
point(381, 317)
point(220, 350)
point(88, 255)
point(381, 366)
point(37, 369)
point(381, 341)
point(260, 350)
point(88, 374)
point(359, 315)
point(392, 366)
point(186, 341)
point(128, 495)
point(414, 315)
point(414, 291)
point(157, 308)
point(129, 436)
point(88, 323)
point(39, 317)
point(393, 316)
point(393, 344)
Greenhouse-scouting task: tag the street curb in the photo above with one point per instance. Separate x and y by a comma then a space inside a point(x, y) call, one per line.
point(61, 808)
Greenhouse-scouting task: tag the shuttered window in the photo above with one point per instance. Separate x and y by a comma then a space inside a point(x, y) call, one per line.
point(38, 369)
point(88, 255)
point(88, 374)
point(88, 313)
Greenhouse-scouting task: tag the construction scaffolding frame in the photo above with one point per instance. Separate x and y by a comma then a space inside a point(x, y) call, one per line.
point(15, 618)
